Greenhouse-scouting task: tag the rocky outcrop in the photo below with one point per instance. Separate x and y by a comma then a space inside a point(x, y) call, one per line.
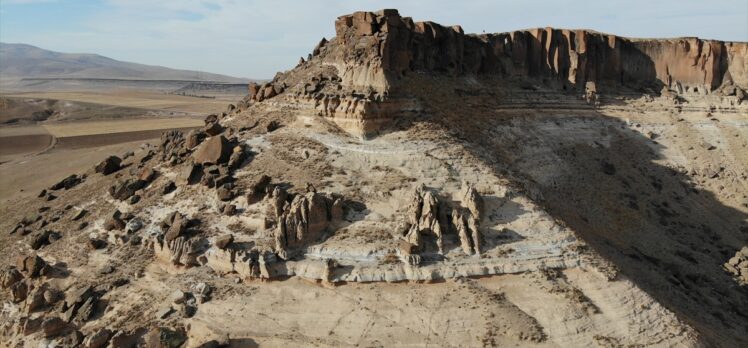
point(427, 216)
point(382, 47)
point(355, 78)
point(430, 217)
point(737, 266)
point(214, 150)
point(304, 219)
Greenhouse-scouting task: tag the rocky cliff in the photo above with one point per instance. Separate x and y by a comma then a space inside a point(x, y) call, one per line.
point(382, 47)
point(374, 53)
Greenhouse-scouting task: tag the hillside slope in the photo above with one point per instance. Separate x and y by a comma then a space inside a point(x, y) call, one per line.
point(412, 185)
point(26, 61)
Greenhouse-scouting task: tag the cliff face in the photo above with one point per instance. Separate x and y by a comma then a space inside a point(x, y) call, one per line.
point(382, 47)
point(354, 78)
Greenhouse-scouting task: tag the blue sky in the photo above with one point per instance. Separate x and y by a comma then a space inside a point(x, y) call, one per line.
point(257, 38)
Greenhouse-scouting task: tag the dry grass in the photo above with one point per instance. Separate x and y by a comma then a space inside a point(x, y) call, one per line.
point(135, 99)
point(71, 129)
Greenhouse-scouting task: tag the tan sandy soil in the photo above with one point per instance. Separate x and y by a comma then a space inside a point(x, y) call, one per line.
point(136, 99)
point(28, 176)
point(22, 144)
point(74, 129)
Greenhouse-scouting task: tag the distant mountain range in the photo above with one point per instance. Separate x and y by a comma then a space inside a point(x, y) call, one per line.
point(26, 61)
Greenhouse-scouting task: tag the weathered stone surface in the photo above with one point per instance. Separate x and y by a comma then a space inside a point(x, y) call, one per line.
point(19, 291)
point(426, 216)
point(224, 241)
point(109, 165)
point(98, 339)
point(194, 138)
point(67, 183)
point(123, 190)
point(9, 276)
point(257, 189)
point(302, 221)
point(114, 221)
point(43, 238)
point(147, 174)
point(472, 201)
point(177, 228)
point(189, 174)
point(32, 266)
point(213, 150)
point(172, 145)
point(53, 326)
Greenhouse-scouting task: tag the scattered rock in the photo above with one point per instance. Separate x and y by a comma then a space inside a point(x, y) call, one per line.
point(98, 339)
point(169, 187)
point(79, 214)
point(164, 338)
point(123, 190)
point(190, 174)
point(53, 326)
point(214, 150)
point(43, 238)
point(177, 228)
point(224, 241)
point(10, 276)
point(67, 183)
point(108, 166)
point(96, 244)
point(229, 210)
point(134, 225)
point(225, 193)
point(257, 189)
point(114, 222)
point(164, 313)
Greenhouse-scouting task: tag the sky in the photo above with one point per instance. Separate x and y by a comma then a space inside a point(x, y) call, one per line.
point(255, 39)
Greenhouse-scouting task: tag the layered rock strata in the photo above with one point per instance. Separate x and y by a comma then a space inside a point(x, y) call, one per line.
point(373, 53)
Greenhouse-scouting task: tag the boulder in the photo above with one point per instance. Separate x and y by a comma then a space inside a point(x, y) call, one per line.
point(177, 228)
point(212, 129)
point(43, 238)
point(147, 174)
point(67, 183)
point(224, 241)
point(253, 90)
point(189, 174)
point(164, 338)
point(114, 222)
point(215, 150)
point(98, 339)
point(54, 326)
point(123, 190)
point(257, 189)
point(79, 214)
point(19, 291)
point(225, 193)
point(31, 266)
point(108, 166)
point(229, 210)
point(194, 138)
point(169, 187)
point(9, 276)
point(96, 244)
point(172, 145)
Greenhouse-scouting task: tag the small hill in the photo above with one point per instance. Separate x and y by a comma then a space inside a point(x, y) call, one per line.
point(26, 61)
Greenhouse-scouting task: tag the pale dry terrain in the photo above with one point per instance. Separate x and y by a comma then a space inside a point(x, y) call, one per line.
point(135, 99)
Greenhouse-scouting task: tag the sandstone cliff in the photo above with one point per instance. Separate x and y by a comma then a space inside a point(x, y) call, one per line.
point(355, 78)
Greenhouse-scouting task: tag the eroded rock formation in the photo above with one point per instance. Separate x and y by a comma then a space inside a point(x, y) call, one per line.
point(304, 219)
point(428, 216)
point(373, 53)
